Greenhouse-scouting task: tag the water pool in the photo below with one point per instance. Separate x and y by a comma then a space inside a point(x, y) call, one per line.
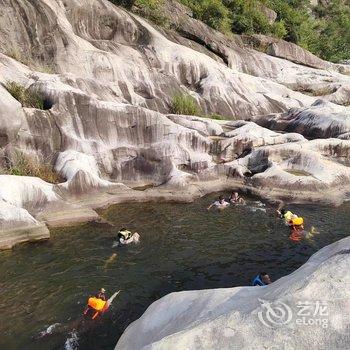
point(182, 247)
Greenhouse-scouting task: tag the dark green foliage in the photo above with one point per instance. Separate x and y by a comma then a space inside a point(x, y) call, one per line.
point(212, 12)
point(152, 9)
point(334, 31)
point(326, 32)
point(247, 17)
point(300, 26)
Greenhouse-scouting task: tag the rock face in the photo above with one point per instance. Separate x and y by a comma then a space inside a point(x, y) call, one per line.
point(107, 79)
point(17, 225)
point(255, 317)
point(320, 120)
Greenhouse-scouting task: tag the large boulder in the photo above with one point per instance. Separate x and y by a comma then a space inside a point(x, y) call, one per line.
point(295, 53)
point(306, 309)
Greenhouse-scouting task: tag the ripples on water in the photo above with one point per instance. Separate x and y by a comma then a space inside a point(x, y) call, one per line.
point(182, 247)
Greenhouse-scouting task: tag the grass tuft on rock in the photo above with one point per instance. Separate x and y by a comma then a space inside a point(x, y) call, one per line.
point(25, 96)
point(27, 59)
point(185, 104)
point(24, 165)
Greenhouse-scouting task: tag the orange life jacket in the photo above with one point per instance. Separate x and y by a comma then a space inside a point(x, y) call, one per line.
point(97, 304)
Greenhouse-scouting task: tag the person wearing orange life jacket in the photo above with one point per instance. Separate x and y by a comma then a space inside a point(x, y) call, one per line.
point(96, 304)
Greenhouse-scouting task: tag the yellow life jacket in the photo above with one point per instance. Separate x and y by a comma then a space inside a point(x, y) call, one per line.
point(96, 303)
point(297, 221)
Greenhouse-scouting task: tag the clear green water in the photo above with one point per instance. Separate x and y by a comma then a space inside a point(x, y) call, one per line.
point(182, 247)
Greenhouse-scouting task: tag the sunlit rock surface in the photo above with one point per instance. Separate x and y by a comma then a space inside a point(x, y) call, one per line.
point(320, 120)
point(107, 79)
point(18, 197)
point(235, 318)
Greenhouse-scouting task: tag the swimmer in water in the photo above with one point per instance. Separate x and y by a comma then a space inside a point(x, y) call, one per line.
point(219, 204)
point(126, 237)
point(236, 199)
point(262, 279)
point(313, 231)
point(110, 260)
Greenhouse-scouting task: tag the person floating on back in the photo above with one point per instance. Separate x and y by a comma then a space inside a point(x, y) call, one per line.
point(236, 199)
point(262, 279)
point(219, 204)
point(126, 237)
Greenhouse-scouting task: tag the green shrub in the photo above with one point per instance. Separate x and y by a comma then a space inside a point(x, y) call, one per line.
point(248, 18)
point(334, 29)
point(215, 14)
point(212, 12)
point(299, 25)
point(184, 104)
point(152, 9)
point(25, 96)
point(279, 29)
point(24, 165)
